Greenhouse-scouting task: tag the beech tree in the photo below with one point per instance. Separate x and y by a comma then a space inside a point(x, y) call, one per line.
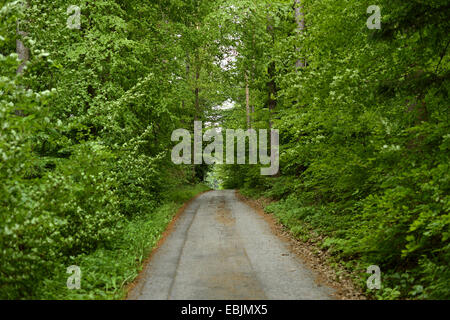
point(362, 112)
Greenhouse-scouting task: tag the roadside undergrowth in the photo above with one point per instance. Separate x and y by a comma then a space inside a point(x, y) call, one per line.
point(347, 279)
point(106, 272)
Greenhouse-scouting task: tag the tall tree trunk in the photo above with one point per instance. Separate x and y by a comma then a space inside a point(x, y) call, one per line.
point(22, 51)
point(247, 101)
point(24, 55)
point(300, 20)
point(183, 102)
point(197, 88)
point(271, 85)
point(252, 72)
point(272, 91)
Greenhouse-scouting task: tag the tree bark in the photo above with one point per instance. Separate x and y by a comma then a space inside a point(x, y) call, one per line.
point(24, 55)
point(197, 86)
point(22, 51)
point(247, 101)
point(271, 84)
point(300, 20)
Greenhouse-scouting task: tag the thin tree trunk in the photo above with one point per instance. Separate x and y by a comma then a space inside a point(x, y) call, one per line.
point(247, 101)
point(300, 20)
point(272, 92)
point(22, 51)
point(24, 55)
point(271, 85)
point(197, 88)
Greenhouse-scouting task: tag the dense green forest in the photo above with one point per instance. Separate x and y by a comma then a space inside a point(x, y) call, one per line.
point(91, 92)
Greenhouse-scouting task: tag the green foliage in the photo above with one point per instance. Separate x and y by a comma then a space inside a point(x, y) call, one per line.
point(86, 131)
point(85, 170)
point(109, 269)
point(364, 132)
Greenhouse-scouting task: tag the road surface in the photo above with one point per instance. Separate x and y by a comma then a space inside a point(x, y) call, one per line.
point(221, 249)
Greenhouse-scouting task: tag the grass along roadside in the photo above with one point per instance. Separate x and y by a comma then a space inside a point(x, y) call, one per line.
point(106, 272)
point(340, 236)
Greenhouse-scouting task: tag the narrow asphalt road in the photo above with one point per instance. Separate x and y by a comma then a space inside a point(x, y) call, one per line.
point(221, 249)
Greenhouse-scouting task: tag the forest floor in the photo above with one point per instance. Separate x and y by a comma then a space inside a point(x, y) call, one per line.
point(221, 248)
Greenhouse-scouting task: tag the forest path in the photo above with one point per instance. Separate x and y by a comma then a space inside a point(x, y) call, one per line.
point(222, 249)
